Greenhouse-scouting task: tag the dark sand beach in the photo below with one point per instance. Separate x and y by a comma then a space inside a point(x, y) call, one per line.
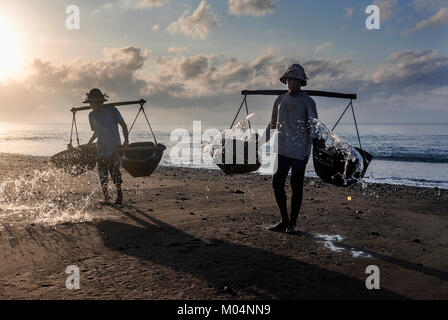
point(197, 234)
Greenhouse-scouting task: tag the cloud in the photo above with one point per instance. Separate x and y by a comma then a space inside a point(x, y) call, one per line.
point(437, 20)
point(335, 75)
point(115, 72)
point(194, 67)
point(387, 8)
point(409, 81)
point(256, 8)
point(215, 81)
point(197, 25)
point(323, 47)
point(143, 4)
point(130, 5)
point(427, 6)
point(348, 13)
point(177, 51)
point(412, 70)
point(53, 88)
point(210, 75)
point(212, 81)
point(194, 80)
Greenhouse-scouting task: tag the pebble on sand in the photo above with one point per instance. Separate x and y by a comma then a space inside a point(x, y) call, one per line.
point(229, 290)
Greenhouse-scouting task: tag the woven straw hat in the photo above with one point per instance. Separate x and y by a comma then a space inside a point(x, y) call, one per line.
point(295, 71)
point(95, 95)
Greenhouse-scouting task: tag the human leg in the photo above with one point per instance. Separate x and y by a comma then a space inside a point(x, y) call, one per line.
point(104, 177)
point(114, 169)
point(297, 179)
point(278, 183)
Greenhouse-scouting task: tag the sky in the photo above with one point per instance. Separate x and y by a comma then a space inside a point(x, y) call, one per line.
point(191, 59)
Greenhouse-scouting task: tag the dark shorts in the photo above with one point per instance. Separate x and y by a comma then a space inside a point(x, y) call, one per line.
point(110, 166)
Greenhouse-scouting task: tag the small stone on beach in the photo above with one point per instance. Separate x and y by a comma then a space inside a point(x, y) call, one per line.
point(229, 290)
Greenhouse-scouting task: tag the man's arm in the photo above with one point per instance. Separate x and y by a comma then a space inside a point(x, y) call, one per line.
point(124, 127)
point(312, 119)
point(92, 126)
point(272, 124)
point(94, 136)
point(119, 119)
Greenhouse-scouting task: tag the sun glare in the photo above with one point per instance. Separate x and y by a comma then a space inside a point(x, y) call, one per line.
point(10, 53)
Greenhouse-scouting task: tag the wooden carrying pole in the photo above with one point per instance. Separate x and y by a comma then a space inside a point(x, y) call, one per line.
point(114, 104)
point(309, 92)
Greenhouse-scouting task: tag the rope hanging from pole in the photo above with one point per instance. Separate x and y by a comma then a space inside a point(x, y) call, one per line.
point(152, 132)
point(244, 102)
point(71, 134)
point(142, 109)
point(76, 130)
point(133, 123)
point(342, 115)
point(350, 105)
point(247, 111)
point(74, 125)
point(356, 126)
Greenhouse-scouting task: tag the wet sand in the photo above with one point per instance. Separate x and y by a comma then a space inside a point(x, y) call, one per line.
point(197, 234)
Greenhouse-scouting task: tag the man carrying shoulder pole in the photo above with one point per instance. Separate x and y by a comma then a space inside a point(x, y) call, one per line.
point(293, 116)
point(104, 122)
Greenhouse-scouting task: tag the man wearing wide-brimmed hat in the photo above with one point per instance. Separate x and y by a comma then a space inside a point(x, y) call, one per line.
point(103, 122)
point(292, 117)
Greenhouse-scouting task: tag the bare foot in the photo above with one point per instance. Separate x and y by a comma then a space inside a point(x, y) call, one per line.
point(105, 201)
point(279, 227)
point(292, 229)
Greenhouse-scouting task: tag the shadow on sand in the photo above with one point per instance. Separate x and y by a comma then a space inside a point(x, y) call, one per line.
point(248, 271)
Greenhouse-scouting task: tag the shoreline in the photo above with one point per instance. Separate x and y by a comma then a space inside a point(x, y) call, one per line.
point(314, 177)
point(196, 234)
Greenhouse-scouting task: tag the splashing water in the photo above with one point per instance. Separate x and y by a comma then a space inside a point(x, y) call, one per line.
point(330, 242)
point(240, 132)
point(46, 196)
point(333, 141)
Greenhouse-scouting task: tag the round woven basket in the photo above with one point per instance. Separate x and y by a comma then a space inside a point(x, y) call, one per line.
point(141, 159)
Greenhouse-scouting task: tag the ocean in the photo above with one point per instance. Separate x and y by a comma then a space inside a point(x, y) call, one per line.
point(405, 154)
